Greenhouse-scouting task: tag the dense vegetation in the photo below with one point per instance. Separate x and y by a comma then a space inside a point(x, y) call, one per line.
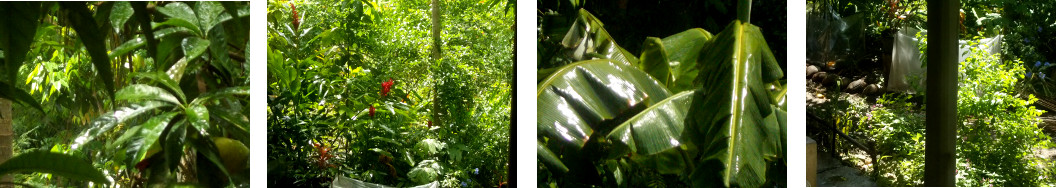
point(999, 142)
point(128, 94)
point(691, 109)
point(361, 93)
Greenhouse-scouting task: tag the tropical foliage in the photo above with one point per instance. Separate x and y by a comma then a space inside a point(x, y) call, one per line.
point(693, 109)
point(356, 99)
point(141, 93)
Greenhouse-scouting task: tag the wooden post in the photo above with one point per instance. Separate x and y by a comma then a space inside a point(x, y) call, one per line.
point(940, 154)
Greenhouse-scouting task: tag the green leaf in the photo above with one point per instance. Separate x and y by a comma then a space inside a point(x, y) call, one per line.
point(63, 165)
point(181, 15)
point(170, 85)
point(176, 71)
point(730, 118)
point(659, 127)
point(683, 49)
point(173, 144)
point(20, 26)
point(587, 39)
point(654, 60)
point(93, 39)
point(20, 96)
point(194, 47)
point(146, 92)
point(551, 160)
point(208, 13)
point(121, 12)
point(128, 46)
point(226, 92)
point(583, 95)
point(198, 116)
point(107, 121)
point(150, 131)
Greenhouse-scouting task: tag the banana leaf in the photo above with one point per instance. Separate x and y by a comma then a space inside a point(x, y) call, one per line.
point(656, 135)
point(582, 97)
point(587, 39)
point(731, 118)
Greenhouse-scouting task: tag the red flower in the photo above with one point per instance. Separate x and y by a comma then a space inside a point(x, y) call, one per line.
point(430, 124)
point(296, 18)
point(385, 86)
point(371, 110)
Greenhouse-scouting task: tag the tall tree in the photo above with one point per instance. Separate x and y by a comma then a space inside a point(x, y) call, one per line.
point(436, 58)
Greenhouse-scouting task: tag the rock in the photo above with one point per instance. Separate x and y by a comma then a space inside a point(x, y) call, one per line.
point(871, 90)
point(856, 86)
point(811, 69)
point(819, 77)
point(830, 80)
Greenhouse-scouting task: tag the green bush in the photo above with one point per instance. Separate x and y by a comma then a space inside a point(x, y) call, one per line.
point(995, 139)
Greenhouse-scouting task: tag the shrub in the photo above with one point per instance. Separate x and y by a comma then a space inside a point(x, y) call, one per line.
point(995, 139)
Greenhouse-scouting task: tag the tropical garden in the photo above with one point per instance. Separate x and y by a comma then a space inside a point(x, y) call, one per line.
point(692, 96)
point(378, 93)
point(124, 94)
point(866, 97)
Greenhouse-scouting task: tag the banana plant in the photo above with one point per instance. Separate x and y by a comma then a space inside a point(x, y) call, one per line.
point(707, 109)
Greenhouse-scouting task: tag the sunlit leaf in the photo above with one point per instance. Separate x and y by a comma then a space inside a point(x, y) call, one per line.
point(730, 118)
point(107, 121)
point(146, 92)
point(657, 128)
point(159, 77)
point(181, 15)
point(59, 164)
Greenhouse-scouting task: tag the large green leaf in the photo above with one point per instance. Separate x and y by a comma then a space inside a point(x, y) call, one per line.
point(194, 47)
point(730, 119)
point(181, 15)
point(579, 97)
point(590, 96)
point(20, 26)
point(226, 92)
point(657, 128)
point(587, 39)
point(146, 92)
point(107, 121)
point(121, 12)
point(683, 49)
point(654, 60)
point(160, 77)
point(198, 116)
point(208, 13)
point(150, 131)
point(20, 96)
point(63, 165)
point(93, 39)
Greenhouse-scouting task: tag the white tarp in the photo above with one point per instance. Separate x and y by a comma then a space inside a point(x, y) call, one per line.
point(906, 74)
point(345, 182)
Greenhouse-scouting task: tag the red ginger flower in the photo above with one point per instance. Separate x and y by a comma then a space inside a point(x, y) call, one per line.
point(371, 110)
point(296, 18)
point(385, 86)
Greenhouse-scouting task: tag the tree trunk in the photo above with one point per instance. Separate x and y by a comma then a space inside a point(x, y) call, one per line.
point(436, 60)
point(6, 137)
